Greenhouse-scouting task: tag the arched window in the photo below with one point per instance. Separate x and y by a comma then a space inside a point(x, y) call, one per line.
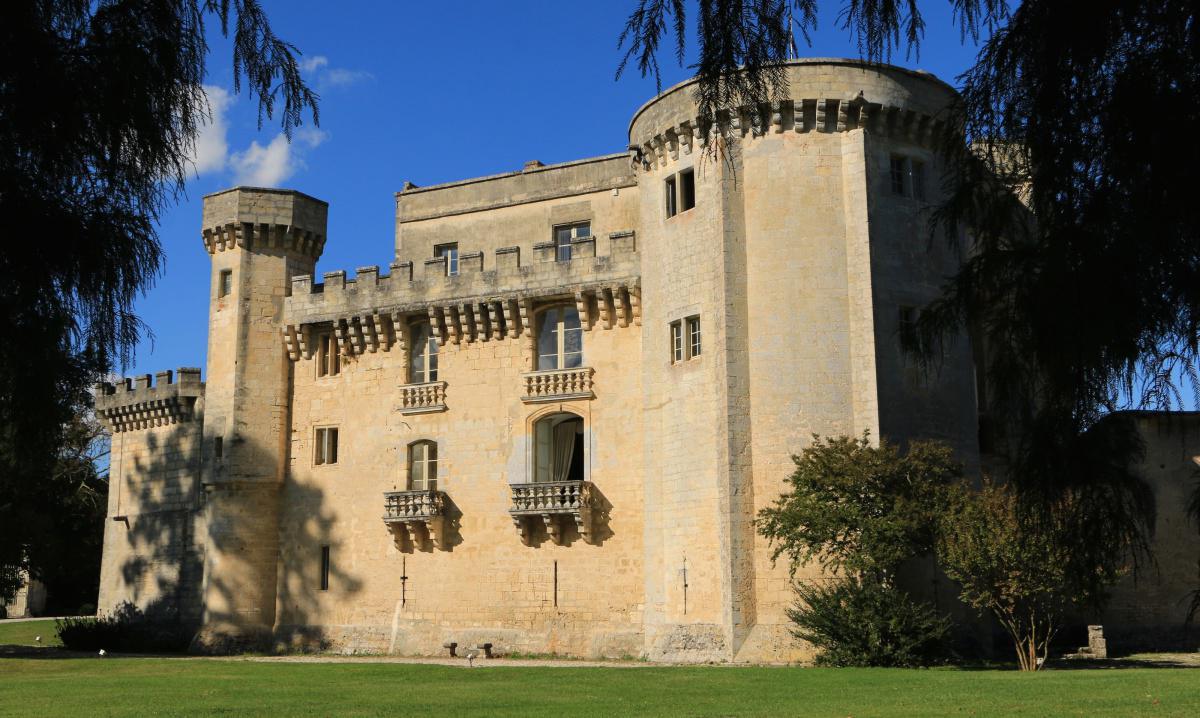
point(422, 466)
point(558, 448)
point(423, 367)
point(560, 338)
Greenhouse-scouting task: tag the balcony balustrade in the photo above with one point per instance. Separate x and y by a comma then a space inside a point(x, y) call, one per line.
point(423, 398)
point(413, 511)
point(552, 500)
point(557, 385)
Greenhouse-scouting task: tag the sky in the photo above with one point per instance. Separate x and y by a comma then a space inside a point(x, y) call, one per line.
point(427, 92)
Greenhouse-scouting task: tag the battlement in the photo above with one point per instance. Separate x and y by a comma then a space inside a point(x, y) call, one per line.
point(413, 287)
point(144, 402)
point(821, 96)
point(259, 218)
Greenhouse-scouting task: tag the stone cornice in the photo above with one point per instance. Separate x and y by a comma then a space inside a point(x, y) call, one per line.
point(251, 236)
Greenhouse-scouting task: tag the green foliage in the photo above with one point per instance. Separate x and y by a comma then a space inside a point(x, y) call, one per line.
point(99, 111)
point(860, 509)
point(1017, 567)
point(126, 630)
point(857, 622)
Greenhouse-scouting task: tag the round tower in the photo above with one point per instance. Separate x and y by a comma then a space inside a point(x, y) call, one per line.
point(258, 240)
point(796, 244)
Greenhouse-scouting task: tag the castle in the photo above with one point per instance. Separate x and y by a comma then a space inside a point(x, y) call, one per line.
point(549, 425)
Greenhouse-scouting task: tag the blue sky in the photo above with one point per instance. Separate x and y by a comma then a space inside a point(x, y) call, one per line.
point(426, 92)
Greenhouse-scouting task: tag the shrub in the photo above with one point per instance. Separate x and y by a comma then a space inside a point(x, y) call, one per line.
point(1018, 568)
point(126, 630)
point(857, 622)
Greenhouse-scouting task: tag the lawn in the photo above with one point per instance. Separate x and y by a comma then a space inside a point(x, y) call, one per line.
point(164, 686)
point(23, 633)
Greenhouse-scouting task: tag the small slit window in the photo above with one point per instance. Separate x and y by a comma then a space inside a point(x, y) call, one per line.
point(218, 448)
point(325, 566)
point(672, 206)
point(326, 449)
point(225, 283)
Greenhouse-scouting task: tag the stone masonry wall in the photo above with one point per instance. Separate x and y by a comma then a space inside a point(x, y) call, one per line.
point(154, 535)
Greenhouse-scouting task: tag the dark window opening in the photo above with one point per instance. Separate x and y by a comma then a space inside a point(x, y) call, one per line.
point(225, 285)
point(219, 448)
point(324, 568)
point(687, 190)
point(672, 207)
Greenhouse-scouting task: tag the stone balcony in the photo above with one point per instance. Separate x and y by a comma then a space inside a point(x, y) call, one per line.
point(553, 501)
point(414, 513)
point(422, 398)
point(557, 385)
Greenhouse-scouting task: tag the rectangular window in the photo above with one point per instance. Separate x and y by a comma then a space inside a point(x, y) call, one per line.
point(328, 360)
point(324, 568)
point(677, 354)
point(672, 206)
point(218, 448)
point(326, 450)
point(563, 236)
point(423, 475)
point(693, 325)
point(917, 178)
point(450, 252)
point(898, 173)
point(687, 190)
point(225, 283)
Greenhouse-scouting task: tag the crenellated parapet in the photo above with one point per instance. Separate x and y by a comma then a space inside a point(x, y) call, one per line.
point(145, 402)
point(255, 219)
point(823, 96)
point(368, 313)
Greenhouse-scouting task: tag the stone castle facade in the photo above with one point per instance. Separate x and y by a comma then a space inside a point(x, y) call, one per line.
point(550, 424)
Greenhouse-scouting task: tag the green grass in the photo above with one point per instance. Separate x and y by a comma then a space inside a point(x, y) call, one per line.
point(22, 633)
point(164, 686)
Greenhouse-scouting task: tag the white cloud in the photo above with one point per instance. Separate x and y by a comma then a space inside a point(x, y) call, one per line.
point(314, 63)
point(209, 152)
point(338, 77)
point(325, 76)
point(270, 166)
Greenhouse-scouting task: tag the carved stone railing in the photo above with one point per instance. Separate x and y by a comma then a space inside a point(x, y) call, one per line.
point(423, 398)
point(411, 511)
point(550, 500)
point(557, 385)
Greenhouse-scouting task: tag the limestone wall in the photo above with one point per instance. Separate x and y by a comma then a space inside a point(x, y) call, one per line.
point(154, 532)
point(516, 209)
point(388, 592)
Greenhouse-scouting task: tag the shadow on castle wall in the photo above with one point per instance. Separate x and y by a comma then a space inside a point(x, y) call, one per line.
point(163, 544)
